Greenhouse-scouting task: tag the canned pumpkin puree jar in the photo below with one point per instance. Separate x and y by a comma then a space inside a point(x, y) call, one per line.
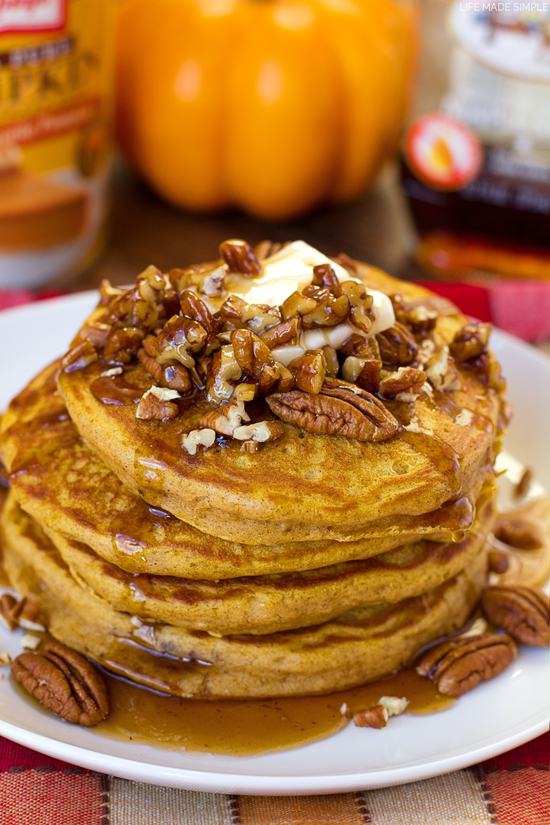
point(56, 65)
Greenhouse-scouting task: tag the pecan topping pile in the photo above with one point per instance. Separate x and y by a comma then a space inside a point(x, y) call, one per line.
point(64, 682)
point(317, 357)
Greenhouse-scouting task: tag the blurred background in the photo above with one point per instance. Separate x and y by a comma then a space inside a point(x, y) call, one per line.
point(280, 119)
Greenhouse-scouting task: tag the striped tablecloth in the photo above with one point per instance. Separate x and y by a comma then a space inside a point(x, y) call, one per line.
point(512, 789)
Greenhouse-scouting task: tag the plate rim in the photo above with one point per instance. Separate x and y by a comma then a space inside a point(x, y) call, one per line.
point(260, 784)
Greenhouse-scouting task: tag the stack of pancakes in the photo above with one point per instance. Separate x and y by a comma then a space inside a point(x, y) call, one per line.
point(313, 564)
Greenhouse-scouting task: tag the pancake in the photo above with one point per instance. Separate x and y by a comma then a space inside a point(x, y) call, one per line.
point(266, 604)
point(303, 486)
point(358, 646)
point(68, 489)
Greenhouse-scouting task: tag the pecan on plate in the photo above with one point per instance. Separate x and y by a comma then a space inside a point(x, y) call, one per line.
point(337, 410)
point(240, 258)
point(459, 665)
point(22, 613)
point(377, 715)
point(64, 682)
point(523, 612)
point(397, 345)
point(518, 532)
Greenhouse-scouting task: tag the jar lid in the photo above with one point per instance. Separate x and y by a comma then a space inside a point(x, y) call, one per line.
point(505, 39)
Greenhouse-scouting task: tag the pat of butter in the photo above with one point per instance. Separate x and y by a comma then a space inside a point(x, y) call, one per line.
point(291, 270)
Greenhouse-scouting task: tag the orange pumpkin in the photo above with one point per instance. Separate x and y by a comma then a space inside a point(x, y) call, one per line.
point(274, 106)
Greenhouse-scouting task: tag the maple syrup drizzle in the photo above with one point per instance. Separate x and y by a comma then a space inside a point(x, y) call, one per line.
point(237, 727)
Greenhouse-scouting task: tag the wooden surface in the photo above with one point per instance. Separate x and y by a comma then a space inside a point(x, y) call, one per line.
point(143, 230)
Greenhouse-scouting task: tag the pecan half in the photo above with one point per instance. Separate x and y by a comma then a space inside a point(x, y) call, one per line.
point(523, 612)
point(397, 345)
point(519, 533)
point(239, 257)
point(336, 411)
point(459, 665)
point(64, 682)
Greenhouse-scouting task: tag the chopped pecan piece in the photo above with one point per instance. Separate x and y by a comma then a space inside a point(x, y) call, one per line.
point(179, 339)
point(239, 257)
point(523, 612)
point(397, 345)
point(198, 438)
point(250, 446)
point(108, 292)
point(325, 276)
point(79, 357)
point(226, 418)
point(96, 332)
point(256, 317)
point(418, 317)
point(150, 284)
point(223, 370)
point(122, 343)
point(285, 333)
point(173, 376)
point(377, 716)
point(261, 431)
point(244, 392)
point(194, 308)
point(360, 302)
point(265, 249)
point(332, 365)
point(458, 665)
point(360, 347)
point(64, 682)
point(470, 341)
point(255, 360)
point(157, 404)
point(337, 411)
point(364, 373)
point(405, 384)
point(309, 371)
point(328, 311)
point(7, 605)
point(297, 304)
point(373, 717)
point(213, 284)
point(442, 372)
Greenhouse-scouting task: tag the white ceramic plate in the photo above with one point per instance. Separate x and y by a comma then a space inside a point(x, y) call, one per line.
point(493, 718)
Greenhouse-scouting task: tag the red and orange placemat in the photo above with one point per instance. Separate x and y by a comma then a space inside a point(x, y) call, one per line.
point(511, 789)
